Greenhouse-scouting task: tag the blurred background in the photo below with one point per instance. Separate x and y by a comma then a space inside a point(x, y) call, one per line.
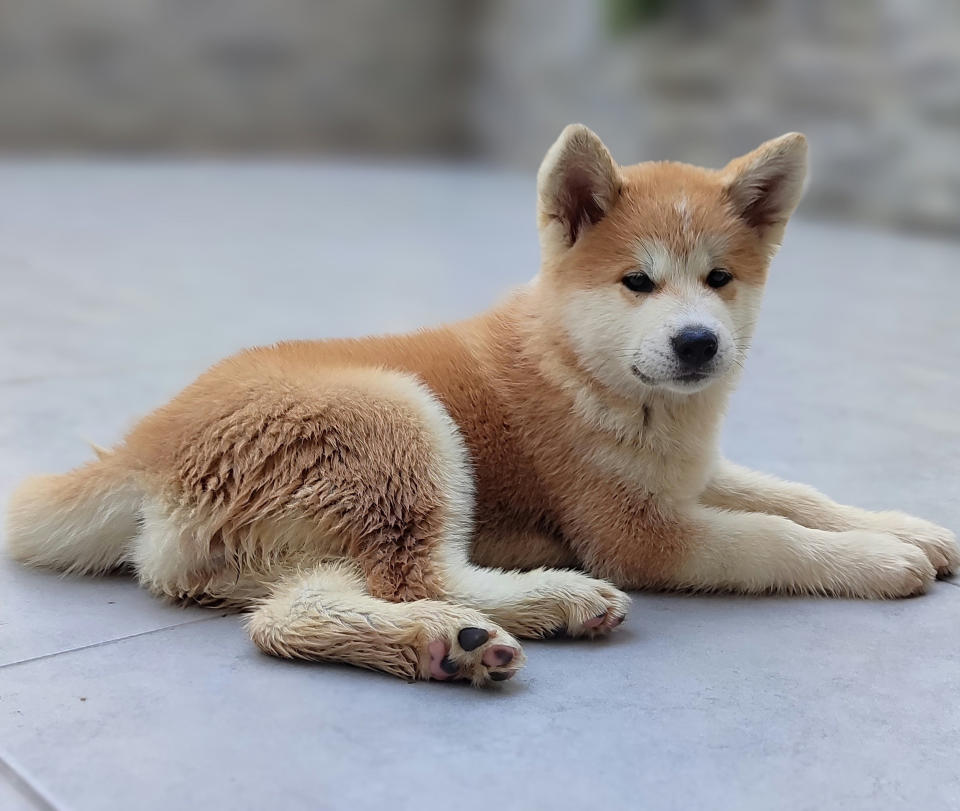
point(874, 83)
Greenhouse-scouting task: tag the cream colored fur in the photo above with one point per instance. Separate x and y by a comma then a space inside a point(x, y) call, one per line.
point(88, 531)
point(416, 503)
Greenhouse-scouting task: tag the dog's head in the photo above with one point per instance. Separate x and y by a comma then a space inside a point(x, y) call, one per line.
point(653, 273)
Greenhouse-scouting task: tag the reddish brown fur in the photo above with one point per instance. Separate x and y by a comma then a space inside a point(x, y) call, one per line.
point(646, 206)
point(276, 432)
point(286, 436)
point(283, 430)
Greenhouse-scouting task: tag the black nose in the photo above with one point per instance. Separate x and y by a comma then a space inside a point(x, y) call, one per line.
point(695, 345)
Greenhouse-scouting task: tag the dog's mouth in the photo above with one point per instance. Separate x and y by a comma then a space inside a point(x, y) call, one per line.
point(682, 380)
point(689, 378)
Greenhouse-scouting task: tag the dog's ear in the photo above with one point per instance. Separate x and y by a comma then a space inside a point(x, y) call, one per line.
point(765, 185)
point(578, 183)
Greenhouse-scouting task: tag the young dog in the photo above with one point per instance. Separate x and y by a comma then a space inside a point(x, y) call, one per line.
point(354, 494)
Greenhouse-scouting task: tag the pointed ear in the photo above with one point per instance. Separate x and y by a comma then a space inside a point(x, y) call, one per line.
point(766, 184)
point(578, 183)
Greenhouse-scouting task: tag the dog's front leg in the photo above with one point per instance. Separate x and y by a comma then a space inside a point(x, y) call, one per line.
point(736, 488)
point(705, 548)
point(757, 552)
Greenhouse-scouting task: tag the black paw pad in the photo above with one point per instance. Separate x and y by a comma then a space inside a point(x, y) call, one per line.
point(472, 638)
point(501, 676)
point(447, 665)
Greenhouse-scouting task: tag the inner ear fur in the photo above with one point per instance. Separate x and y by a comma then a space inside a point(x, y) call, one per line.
point(766, 185)
point(578, 183)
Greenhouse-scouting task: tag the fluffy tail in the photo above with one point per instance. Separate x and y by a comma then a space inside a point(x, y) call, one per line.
point(81, 521)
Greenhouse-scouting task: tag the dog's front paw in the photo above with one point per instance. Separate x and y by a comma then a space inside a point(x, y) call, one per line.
point(938, 543)
point(881, 565)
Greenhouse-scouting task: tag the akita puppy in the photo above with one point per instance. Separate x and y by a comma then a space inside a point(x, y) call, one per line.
point(415, 503)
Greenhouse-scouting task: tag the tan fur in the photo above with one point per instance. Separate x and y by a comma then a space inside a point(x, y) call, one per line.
point(341, 488)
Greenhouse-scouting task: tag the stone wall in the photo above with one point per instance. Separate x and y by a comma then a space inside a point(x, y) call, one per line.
point(874, 83)
point(353, 75)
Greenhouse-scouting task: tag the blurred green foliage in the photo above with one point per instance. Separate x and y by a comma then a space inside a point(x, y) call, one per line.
point(623, 15)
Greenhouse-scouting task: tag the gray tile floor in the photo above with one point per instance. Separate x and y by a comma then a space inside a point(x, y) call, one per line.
point(121, 282)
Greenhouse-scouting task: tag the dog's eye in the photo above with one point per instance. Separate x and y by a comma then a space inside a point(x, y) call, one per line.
point(638, 282)
point(718, 277)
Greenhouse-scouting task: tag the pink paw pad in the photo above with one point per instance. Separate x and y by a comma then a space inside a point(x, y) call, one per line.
point(498, 655)
point(604, 622)
point(596, 622)
point(442, 668)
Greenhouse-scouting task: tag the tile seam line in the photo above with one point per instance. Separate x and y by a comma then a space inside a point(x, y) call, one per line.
point(103, 642)
point(26, 788)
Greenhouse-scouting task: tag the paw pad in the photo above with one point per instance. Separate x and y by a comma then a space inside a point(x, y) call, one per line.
point(474, 657)
point(472, 638)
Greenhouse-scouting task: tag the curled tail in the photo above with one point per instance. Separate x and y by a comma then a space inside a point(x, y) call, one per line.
point(81, 521)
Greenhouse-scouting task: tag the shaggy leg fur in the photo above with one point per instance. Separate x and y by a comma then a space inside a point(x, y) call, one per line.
point(328, 614)
point(542, 602)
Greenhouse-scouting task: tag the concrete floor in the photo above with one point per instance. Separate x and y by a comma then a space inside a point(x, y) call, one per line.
point(121, 282)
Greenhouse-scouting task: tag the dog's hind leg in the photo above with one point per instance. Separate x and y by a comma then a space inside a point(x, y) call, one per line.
point(325, 464)
point(542, 602)
point(328, 614)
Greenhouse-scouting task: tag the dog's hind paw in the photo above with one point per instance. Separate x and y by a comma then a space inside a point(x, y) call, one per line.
point(469, 648)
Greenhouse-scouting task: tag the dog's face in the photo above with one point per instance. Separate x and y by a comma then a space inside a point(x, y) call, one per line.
point(652, 274)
